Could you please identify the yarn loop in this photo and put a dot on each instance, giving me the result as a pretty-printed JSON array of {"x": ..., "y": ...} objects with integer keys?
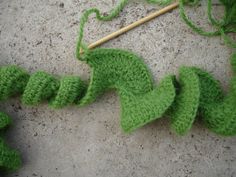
[{"x": 223, "y": 27}]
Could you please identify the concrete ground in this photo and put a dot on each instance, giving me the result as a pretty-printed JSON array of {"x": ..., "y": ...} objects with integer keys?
[{"x": 88, "y": 142}]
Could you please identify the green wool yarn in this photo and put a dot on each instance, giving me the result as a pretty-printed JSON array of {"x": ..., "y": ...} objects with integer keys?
[
  {"x": 195, "y": 93},
  {"x": 223, "y": 27},
  {"x": 9, "y": 159}
]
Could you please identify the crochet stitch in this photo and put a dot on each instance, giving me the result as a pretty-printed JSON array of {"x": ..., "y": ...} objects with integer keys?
[
  {"x": 141, "y": 102},
  {"x": 195, "y": 93},
  {"x": 9, "y": 159}
]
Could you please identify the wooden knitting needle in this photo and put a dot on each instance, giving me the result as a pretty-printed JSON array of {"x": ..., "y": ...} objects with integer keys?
[{"x": 133, "y": 25}]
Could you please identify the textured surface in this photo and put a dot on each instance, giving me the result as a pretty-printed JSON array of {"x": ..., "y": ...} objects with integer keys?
[
  {"x": 9, "y": 158},
  {"x": 88, "y": 141}
]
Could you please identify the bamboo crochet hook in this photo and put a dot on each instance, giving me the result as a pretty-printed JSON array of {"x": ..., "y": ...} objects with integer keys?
[{"x": 133, "y": 25}]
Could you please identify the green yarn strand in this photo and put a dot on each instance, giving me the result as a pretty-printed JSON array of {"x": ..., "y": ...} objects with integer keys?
[
  {"x": 226, "y": 25},
  {"x": 85, "y": 17},
  {"x": 160, "y": 2},
  {"x": 228, "y": 40},
  {"x": 112, "y": 14},
  {"x": 191, "y": 24},
  {"x": 210, "y": 17}
]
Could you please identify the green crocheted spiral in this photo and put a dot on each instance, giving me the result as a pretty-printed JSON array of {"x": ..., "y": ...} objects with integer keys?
[
  {"x": 194, "y": 93},
  {"x": 9, "y": 159}
]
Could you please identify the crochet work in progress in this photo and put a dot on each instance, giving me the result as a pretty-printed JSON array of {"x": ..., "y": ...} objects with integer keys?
[
  {"x": 195, "y": 93},
  {"x": 9, "y": 159}
]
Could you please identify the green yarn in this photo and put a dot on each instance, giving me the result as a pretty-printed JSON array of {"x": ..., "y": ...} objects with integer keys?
[
  {"x": 195, "y": 93},
  {"x": 161, "y": 2},
  {"x": 186, "y": 103},
  {"x": 138, "y": 110},
  {"x": 112, "y": 14},
  {"x": 12, "y": 81},
  {"x": 223, "y": 26},
  {"x": 70, "y": 90},
  {"x": 41, "y": 86},
  {"x": 115, "y": 69},
  {"x": 4, "y": 120},
  {"x": 84, "y": 19},
  {"x": 9, "y": 159}
]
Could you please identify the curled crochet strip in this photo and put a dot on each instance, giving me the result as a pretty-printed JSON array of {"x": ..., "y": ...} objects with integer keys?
[
  {"x": 195, "y": 92},
  {"x": 9, "y": 159}
]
